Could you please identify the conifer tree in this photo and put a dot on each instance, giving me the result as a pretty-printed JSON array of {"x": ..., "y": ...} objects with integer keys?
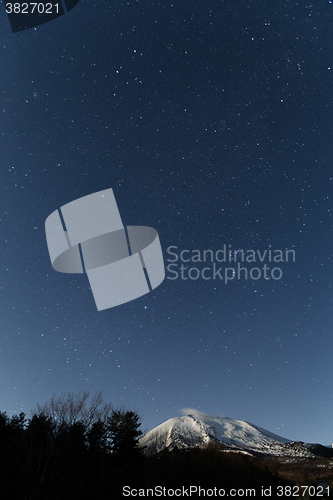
[{"x": 124, "y": 432}]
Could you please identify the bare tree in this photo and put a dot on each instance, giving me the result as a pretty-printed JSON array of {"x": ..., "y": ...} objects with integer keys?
[{"x": 71, "y": 408}]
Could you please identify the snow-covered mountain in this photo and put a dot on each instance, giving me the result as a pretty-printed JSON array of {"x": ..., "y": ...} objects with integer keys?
[{"x": 195, "y": 430}]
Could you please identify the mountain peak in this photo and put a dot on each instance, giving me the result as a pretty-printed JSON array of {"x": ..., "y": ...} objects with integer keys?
[{"x": 195, "y": 430}]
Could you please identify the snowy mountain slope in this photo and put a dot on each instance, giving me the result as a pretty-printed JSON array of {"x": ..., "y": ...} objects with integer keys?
[{"x": 196, "y": 430}]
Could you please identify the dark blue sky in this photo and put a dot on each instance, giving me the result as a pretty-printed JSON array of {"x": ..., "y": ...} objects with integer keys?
[{"x": 212, "y": 121}]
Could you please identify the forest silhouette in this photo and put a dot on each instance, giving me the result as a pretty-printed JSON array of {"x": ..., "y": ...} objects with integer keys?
[{"x": 79, "y": 448}]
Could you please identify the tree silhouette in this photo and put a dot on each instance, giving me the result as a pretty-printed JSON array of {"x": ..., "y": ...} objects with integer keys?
[
  {"x": 39, "y": 451},
  {"x": 71, "y": 447},
  {"x": 124, "y": 433},
  {"x": 71, "y": 408}
]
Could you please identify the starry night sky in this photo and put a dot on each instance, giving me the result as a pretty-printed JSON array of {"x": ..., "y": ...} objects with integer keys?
[{"x": 212, "y": 122}]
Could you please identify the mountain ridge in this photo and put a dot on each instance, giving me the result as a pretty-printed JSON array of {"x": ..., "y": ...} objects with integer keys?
[{"x": 196, "y": 430}]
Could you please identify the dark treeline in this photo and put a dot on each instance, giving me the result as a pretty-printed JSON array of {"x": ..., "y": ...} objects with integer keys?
[{"x": 71, "y": 450}]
